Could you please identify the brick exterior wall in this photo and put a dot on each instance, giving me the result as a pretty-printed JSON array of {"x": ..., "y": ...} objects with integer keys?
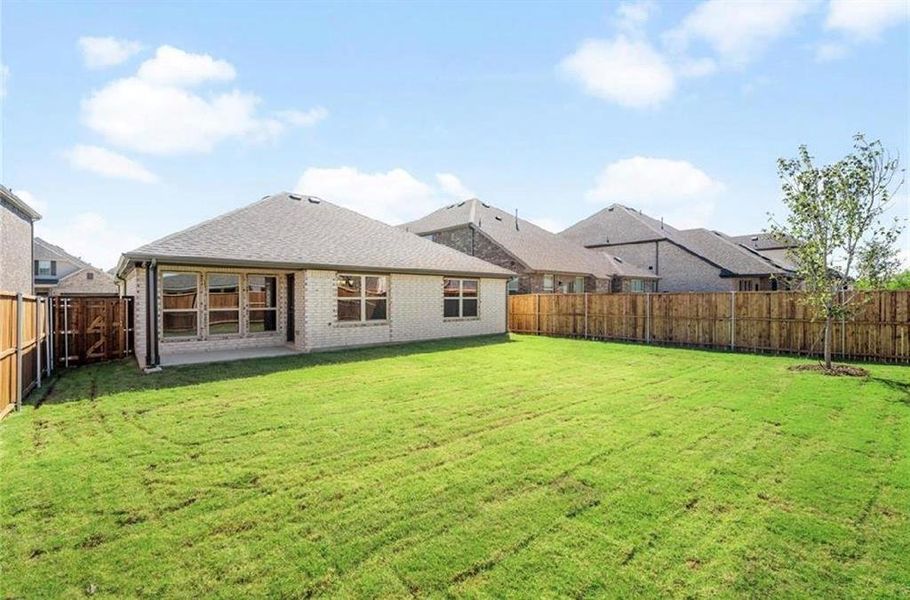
[
  {"x": 415, "y": 309},
  {"x": 15, "y": 251},
  {"x": 679, "y": 271},
  {"x": 78, "y": 283}
]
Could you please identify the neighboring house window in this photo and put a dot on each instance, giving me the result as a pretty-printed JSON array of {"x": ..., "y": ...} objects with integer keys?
[
  {"x": 89, "y": 275},
  {"x": 362, "y": 297},
  {"x": 459, "y": 298},
  {"x": 513, "y": 285},
  {"x": 224, "y": 304},
  {"x": 748, "y": 285},
  {"x": 262, "y": 298},
  {"x": 637, "y": 285},
  {"x": 180, "y": 304},
  {"x": 548, "y": 283},
  {"x": 579, "y": 285},
  {"x": 45, "y": 268}
]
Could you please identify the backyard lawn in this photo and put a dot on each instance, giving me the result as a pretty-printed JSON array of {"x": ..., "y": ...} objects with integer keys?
[{"x": 522, "y": 466}]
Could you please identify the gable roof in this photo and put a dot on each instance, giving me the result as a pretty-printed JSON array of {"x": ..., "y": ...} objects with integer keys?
[
  {"x": 618, "y": 224},
  {"x": 295, "y": 231},
  {"x": 8, "y": 197},
  {"x": 533, "y": 246},
  {"x": 764, "y": 241},
  {"x": 47, "y": 247}
]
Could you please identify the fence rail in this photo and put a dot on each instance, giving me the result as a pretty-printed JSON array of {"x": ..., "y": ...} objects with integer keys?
[
  {"x": 777, "y": 322},
  {"x": 24, "y": 347}
]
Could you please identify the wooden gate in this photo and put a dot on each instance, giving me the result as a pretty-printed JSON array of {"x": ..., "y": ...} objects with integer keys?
[{"x": 92, "y": 328}]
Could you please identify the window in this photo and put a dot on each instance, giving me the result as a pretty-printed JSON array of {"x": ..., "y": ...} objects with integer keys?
[
  {"x": 459, "y": 298},
  {"x": 513, "y": 286},
  {"x": 362, "y": 297},
  {"x": 45, "y": 268},
  {"x": 224, "y": 303},
  {"x": 747, "y": 285},
  {"x": 548, "y": 283},
  {"x": 262, "y": 297},
  {"x": 637, "y": 285},
  {"x": 579, "y": 285},
  {"x": 179, "y": 304},
  {"x": 89, "y": 275}
]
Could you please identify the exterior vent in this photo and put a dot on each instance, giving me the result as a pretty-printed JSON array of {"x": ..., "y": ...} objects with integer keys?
[
  {"x": 619, "y": 260},
  {"x": 498, "y": 218},
  {"x": 314, "y": 200},
  {"x": 297, "y": 197},
  {"x": 485, "y": 205}
]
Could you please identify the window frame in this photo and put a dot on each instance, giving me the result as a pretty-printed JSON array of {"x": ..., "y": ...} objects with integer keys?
[
  {"x": 581, "y": 279},
  {"x": 197, "y": 310},
  {"x": 552, "y": 286},
  {"x": 209, "y": 310},
  {"x": 50, "y": 268},
  {"x": 461, "y": 298},
  {"x": 362, "y": 299},
  {"x": 250, "y": 308},
  {"x": 639, "y": 283}
]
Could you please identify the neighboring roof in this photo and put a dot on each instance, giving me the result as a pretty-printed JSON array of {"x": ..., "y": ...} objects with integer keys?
[
  {"x": 536, "y": 248},
  {"x": 295, "y": 231},
  {"x": 7, "y": 195},
  {"x": 765, "y": 241},
  {"x": 730, "y": 256},
  {"x": 46, "y": 246},
  {"x": 618, "y": 224}
]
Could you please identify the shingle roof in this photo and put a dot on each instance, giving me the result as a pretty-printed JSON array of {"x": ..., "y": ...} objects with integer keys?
[
  {"x": 537, "y": 248},
  {"x": 41, "y": 244},
  {"x": 7, "y": 195},
  {"x": 618, "y": 224},
  {"x": 294, "y": 231},
  {"x": 764, "y": 241}
]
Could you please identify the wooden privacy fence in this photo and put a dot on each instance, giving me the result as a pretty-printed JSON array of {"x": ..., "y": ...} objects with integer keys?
[
  {"x": 879, "y": 330},
  {"x": 91, "y": 328},
  {"x": 24, "y": 347}
]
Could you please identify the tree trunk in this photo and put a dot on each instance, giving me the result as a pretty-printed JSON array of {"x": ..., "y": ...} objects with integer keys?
[{"x": 828, "y": 322}]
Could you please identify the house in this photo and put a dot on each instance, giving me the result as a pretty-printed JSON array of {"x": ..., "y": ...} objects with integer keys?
[
  {"x": 687, "y": 260},
  {"x": 17, "y": 229},
  {"x": 298, "y": 273},
  {"x": 59, "y": 273},
  {"x": 544, "y": 262}
]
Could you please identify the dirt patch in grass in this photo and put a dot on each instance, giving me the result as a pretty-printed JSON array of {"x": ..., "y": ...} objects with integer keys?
[{"x": 835, "y": 370}]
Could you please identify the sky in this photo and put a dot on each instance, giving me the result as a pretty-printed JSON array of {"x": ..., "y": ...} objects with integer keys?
[{"x": 124, "y": 122}]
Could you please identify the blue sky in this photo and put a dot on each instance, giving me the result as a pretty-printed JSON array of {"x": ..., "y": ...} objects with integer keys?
[{"x": 125, "y": 122}]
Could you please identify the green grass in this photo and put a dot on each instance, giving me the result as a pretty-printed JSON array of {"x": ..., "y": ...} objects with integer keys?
[{"x": 532, "y": 467}]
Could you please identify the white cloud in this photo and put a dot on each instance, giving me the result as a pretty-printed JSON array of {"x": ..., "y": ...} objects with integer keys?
[
  {"x": 738, "y": 31},
  {"x": 4, "y": 77},
  {"x": 33, "y": 201},
  {"x": 109, "y": 164},
  {"x": 173, "y": 66},
  {"x": 394, "y": 196},
  {"x": 865, "y": 20},
  {"x": 101, "y": 52},
  {"x": 829, "y": 51},
  {"x": 628, "y": 72},
  {"x": 303, "y": 118},
  {"x": 89, "y": 236},
  {"x": 453, "y": 186},
  {"x": 674, "y": 189},
  {"x": 154, "y": 112},
  {"x": 631, "y": 17}
]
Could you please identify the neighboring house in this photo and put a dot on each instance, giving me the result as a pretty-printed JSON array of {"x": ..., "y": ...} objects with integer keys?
[
  {"x": 17, "y": 229},
  {"x": 772, "y": 247},
  {"x": 58, "y": 273},
  {"x": 544, "y": 262},
  {"x": 689, "y": 260},
  {"x": 293, "y": 271}
]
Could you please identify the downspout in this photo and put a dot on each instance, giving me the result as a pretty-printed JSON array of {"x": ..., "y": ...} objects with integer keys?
[{"x": 151, "y": 316}]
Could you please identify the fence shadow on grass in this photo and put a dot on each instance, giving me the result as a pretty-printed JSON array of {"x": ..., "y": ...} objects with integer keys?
[
  {"x": 898, "y": 386},
  {"x": 101, "y": 379}
]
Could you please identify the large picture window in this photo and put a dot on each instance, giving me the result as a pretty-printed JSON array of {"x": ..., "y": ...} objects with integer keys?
[
  {"x": 262, "y": 294},
  {"x": 459, "y": 298},
  {"x": 224, "y": 304},
  {"x": 362, "y": 297},
  {"x": 180, "y": 304}
]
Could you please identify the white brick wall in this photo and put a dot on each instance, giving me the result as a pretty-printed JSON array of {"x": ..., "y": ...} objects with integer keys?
[{"x": 415, "y": 309}]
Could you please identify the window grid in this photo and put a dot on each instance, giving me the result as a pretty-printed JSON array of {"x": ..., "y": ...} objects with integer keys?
[
  {"x": 180, "y": 311},
  {"x": 368, "y": 295},
  {"x": 460, "y": 298}
]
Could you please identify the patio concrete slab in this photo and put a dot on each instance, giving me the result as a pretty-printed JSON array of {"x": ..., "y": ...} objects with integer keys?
[{"x": 191, "y": 358}]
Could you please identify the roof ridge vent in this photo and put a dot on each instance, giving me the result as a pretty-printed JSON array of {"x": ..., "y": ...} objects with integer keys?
[
  {"x": 297, "y": 197},
  {"x": 313, "y": 199}
]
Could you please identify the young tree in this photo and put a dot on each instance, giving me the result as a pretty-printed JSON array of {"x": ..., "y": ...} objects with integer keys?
[{"x": 837, "y": 213}]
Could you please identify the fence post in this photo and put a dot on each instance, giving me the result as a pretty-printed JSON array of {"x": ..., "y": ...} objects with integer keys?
[
  {"x": 19, "y": 334},
  {"x": 733, "y": 320},
  {"x": 38, "y": 341},
  {"x": 586, "y": 315},
  {"x": 49, "y": 340},
  {"x": 648, "y": 317},
  {"x": 66, "y": 333},
  {"x": 537, "y": 314}
]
